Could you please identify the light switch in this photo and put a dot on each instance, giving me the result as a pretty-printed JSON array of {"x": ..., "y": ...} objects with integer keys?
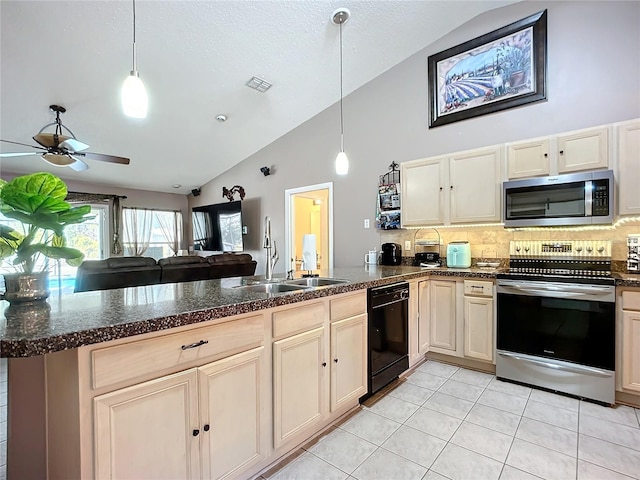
[
  {"x": 407, "y": 244},
  {"x": 366, "y": 223}
]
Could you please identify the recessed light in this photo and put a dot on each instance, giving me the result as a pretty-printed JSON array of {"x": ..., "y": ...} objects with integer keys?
[
  {"x": 221, "y": 118},
  {"x": 259, "y": 84},
  {"x": 176, "y": 185}
]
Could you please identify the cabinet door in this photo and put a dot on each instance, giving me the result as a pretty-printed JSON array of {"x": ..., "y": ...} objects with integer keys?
[
  {"x": 422, "y": 184},
  {"x": 231, "y": 415},
  {"x": 423, "y": 317},
  {"x": 147, "y": 431},
  {"x": 348, "y": 360},
  {"x": 583, "y": 150},
  {"x": 475, "y": 186},
  {"x": 443, "y": 315},
  {"x": 631, "y": 350},
  {"x": 628, "y": 174},
  {"x": 299, "y": 387},
  {"x": 528, "y": 159},
  {"x": 478, "y": 328}
]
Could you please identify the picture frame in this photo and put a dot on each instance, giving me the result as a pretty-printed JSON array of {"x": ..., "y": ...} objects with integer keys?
[{"x": 502, "y": 69}]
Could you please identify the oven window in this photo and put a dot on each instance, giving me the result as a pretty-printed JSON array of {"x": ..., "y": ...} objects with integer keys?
[
  {"x": 572, "y": 330},
  {"x": 548, "y": 201}
]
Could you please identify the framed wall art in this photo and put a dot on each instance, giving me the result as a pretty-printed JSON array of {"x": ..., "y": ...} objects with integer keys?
[{"x": 502, "y": 69}]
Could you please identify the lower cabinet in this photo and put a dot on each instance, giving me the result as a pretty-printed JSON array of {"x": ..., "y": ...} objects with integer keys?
[
  {"x": 443, "y": 319},
  {"x": 299, "y": 384},
  {"x": 629, "y": 327},
  {"x": 478, "y": 328},
  {"x": 423, "y": 317},
  {"x": 348, "y": 360},
  {"x": 200, "y": 423}
]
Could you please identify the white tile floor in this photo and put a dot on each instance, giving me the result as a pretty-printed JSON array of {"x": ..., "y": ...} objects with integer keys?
[{"x": 448, "y": 422}]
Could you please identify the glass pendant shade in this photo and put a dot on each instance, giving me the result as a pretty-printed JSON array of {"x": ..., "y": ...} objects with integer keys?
[
  {"x": 134, "y": 97},
  {"x": 342, "y": 164}
]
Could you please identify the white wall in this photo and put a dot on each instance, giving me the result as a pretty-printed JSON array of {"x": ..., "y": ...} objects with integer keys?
[{"x": 592, "y": 79}]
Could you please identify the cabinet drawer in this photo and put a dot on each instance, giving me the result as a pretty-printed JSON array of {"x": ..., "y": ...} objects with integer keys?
[
  {"x": 476, "y": 287},
  {"x": 348, "y": 306},
  {"x": 142, "y": 358},
  {"x": 298, "y": 319},
  {"x": 631, "y": 300}
]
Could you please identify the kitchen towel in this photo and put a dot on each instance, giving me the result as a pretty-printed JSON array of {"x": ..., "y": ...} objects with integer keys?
[{"x": 309, "y": 252}]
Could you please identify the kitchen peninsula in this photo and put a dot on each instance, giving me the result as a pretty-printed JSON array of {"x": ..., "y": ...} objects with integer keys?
[{"x": 204, "y": 374}]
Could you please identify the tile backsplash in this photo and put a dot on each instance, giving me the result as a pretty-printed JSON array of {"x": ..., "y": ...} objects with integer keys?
[{"x": 493, "y": 241}]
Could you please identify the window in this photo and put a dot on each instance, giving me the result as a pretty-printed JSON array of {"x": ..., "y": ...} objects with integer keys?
[{"x": 151, "y": 233}]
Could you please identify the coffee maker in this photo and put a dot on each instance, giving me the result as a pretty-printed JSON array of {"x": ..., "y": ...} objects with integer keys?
[{"x": 391, "y": 254}]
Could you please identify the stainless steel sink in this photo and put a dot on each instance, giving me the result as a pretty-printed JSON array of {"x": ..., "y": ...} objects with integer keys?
[
  {"x": 316, "y": 281},
  {"x": 272, "y": 288}
]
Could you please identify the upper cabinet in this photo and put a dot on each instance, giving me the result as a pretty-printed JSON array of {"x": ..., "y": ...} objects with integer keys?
[
  {"x": 575, "y": 151},
  {"x": 463, "y": 187},
  {"x": 628, "y": 168}
]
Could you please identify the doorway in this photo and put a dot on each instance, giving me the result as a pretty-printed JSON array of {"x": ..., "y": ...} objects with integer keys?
[{"x": 309, "y": 210}]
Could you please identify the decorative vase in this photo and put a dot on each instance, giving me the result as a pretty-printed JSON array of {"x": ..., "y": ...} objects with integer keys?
[{"x": 26, "y": 287}]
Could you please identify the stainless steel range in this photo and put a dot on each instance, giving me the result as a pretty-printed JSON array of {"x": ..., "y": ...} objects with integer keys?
[{"x": 556, "y": 318}]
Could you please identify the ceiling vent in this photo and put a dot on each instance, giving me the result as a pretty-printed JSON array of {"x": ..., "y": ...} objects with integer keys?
[{"x": 258, "y": 84}]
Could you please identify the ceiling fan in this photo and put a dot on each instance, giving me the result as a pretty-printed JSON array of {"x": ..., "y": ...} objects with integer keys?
[{"x": 60, "y": 149}]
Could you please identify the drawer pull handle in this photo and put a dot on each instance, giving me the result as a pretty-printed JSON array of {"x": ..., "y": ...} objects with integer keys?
[
  {"x": 195, "y": 432},
  {"x": 195, "y": 345},
  {"x": 476, "y": 286}
]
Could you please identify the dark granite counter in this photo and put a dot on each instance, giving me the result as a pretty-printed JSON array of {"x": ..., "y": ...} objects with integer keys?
[
  {"x": 73, "y": 320},
  {"x": 627, "y": 279}
]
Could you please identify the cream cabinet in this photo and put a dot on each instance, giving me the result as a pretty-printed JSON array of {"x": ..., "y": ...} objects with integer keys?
[
  {"x": 423, "y": 317},
  {"x": 463, "y": 187},
  {"x": 568, "y": 152},
  {"x": 475, "y": 186},
  {"x": 528, "y": 159},
  {"x": 422, "y": 187},
  {"x": 628, "y": 167},
  {"x": 299, "y": 384},
  {"x": 444, "y": 329},
  {"x": 148, "y": 431},
  {"x": 204, "y": 422},
  {"x": 583, "y": 150},
  {"x": 348, "y": 360},
  {"x": 629, "y": 340},
  {"x": 479, "y": 320}
]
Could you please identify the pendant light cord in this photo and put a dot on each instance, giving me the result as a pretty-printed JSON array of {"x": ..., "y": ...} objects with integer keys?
[
  {"x": 134, "y": 35},
  {"x": 341, "y": 118}
]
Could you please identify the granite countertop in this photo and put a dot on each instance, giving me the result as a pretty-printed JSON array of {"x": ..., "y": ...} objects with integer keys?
[{"x": 78, "y": 319}]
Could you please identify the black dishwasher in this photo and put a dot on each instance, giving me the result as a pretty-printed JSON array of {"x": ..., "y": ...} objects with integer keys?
[{"x": 388, "y": 334}]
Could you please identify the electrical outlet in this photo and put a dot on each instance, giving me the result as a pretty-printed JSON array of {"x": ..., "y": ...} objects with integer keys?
[
  {"x": 366, "y": 223},
  {"x": 407, "y": 244}
]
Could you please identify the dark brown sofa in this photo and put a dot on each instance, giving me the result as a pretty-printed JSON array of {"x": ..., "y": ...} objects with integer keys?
[{"x": 119, "y": 272}]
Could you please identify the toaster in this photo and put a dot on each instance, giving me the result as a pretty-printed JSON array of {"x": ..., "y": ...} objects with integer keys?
[{"x": 459, "y": 255}]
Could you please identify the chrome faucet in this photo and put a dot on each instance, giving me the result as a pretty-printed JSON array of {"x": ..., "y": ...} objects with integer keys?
[{"x": 272, "y": 257}]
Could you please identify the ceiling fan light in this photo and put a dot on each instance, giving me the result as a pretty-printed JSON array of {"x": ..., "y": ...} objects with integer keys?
[
  {"x": 134, "y": 97},
  {"x": 342, "y": 164},
  {"x": 57, "y": 160}
]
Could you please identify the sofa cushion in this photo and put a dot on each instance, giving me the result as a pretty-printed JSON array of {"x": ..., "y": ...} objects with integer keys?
[
  {"x": 183, "y": 260},
  {"x": 128, "y": 262}
]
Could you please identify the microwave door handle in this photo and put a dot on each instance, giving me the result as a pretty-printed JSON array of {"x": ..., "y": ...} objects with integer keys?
[{"x": 588, "y": 198}]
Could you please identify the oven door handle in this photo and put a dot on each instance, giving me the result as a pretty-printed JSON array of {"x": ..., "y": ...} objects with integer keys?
[
  {"x": 565, "y": 368},
  {"x": 560, "y": 292}
]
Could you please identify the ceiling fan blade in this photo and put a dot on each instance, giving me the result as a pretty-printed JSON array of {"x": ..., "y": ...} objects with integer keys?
[
  {"x": 78, "y": 165},
  {"x": 49, "y": 139},
  {"x": 73, "y": 145},
  {"x": 23, "y": 144},
  {"x": 104, "y": 158},
  {"x": 22, "y": 154}
]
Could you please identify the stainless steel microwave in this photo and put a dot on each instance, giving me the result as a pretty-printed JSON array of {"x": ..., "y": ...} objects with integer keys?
[{"x": 572, "y": 199}]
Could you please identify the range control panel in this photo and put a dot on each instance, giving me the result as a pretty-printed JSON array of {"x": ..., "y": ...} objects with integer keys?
[{"x": 593, "y": 249}]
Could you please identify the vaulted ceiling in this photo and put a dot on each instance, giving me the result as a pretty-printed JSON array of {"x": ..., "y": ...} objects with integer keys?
[{"x": 195, "y": 58}]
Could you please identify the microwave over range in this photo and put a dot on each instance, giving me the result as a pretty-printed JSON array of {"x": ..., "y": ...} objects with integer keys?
[{"x": 572, "y": 199}]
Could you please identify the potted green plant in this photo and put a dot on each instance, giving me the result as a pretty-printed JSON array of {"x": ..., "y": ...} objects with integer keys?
[{"x": 36, "y": 200}]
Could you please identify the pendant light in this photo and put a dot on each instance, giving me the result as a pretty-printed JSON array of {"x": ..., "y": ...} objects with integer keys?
[
  {"x": 133, "y": 94},
  {"x": 339, "y": 17}
]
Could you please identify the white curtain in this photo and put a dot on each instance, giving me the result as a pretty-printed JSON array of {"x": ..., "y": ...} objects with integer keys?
[
  {"x": 137, "y": 229},
  {"x": 171, "y": 228}
]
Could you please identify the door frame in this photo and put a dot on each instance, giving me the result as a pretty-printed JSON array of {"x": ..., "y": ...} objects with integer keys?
[{"x": 289, "y": 219}]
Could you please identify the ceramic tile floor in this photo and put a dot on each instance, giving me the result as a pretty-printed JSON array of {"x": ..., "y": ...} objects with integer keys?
[{"x": 445, "y": 422}]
